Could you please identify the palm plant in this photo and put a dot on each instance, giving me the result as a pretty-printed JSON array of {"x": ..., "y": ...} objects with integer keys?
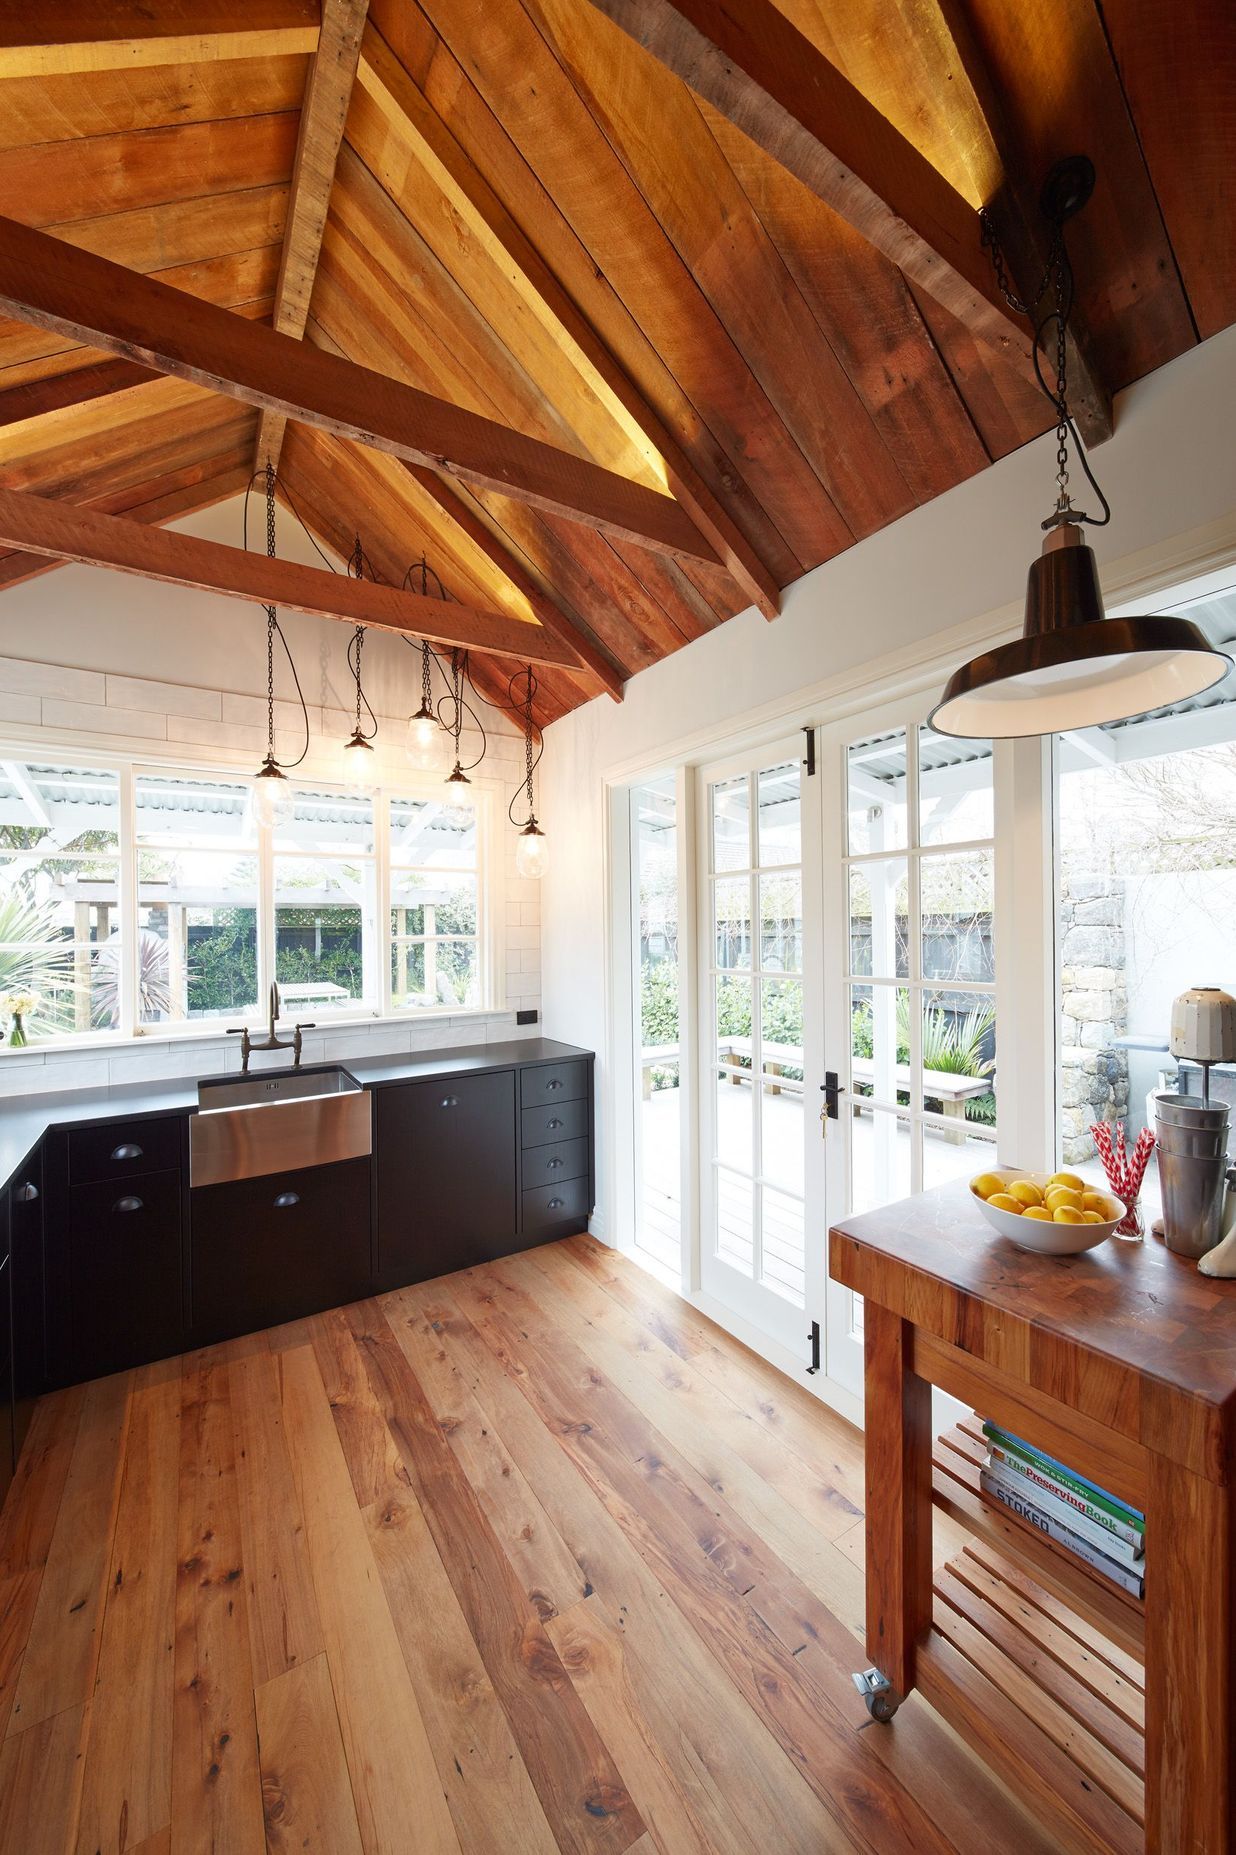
[
  {"x": 33, "y": 953},
  {"x": 154, "y": 993}
]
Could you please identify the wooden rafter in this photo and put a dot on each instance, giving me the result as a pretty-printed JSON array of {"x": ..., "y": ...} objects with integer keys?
[
  {"x": 78, "y": 294},
  {"x": 410, "y": 116},
  {"x": 62, "y": 392},
  {"x": 66, "y": 532},
  {"x": 322, "y": 118},
  {"x": 754, "y": 66},
  {"x": 81, "y": 35}
]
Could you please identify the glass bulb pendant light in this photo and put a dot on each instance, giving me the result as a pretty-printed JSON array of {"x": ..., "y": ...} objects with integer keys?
[
  {"x": 531, "y": 846},
  {"x": 1072, "y": 667},
  {"x": 359, "y": 759},
  {"x": 424, "y": 729},
  {"x": 457, "y": 776},
  {"x": 271, "y": 792}
]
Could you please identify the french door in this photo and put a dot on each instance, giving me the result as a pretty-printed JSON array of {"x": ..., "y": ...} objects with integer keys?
[
  {"x": 760, "y": 1027},
  {"x": 908, "y": 973}
]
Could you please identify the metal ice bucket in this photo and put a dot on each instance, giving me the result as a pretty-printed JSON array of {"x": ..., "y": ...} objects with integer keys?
[{"x": 1192, "y": 1145}]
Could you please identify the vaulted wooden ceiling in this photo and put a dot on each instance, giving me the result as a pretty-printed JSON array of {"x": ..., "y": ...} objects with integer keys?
[{"x": 516, "y": 207}]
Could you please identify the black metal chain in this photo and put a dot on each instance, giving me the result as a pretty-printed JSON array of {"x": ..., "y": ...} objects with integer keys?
[
  {"x": 271, "y": 619},
  {"x": 426, "y": 678},
  {"x": 358, "y": 642},
  {"x": 528, "y": 760}
]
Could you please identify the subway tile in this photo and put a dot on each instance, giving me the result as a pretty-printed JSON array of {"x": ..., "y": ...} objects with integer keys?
[
  {"x": 68, "y": 1070},
  {"x": 197, "y": 733},
  {"x": 132, "y": 692},
  {"x": 523, "y": 986},
  {"x": 130, "y": 723},
  {"x": 519, "y": 939},
  {"x": 250, "y": 712},
  {"x": 50, "y": 679},
  {"x": 19, "y": 708}
]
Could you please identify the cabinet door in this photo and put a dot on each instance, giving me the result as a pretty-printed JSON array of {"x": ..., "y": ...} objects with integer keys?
[
  {"x": 29, "y": 1310},
  {"x": 276, "y": 1248},
  {"x": 8, "y": 1444},
  {"x": 446, "y": 1175},
  {"x": 124, "y": 1273}
]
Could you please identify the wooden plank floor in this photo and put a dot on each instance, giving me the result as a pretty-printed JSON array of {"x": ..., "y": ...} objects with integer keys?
[{"x": 531, "y": 1558}]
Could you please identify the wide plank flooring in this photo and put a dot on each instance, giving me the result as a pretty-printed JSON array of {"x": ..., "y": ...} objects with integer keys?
[{"x": 530, "y": 1558}]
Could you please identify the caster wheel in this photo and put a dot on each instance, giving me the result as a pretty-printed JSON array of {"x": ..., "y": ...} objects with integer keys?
[
  {"x": 881, "y": 1707},
  {"x": 877, "y": 1693}
]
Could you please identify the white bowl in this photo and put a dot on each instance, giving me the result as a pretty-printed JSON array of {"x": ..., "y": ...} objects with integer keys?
[{"x": 1034, "y": 1233}]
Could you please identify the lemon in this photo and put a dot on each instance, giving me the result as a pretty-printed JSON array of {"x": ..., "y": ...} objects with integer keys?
[
  {"x": 1000, "y": 1201},
  {"x": 1039, "y": 1213},
  {"x": 1097, "y": 1201},
  {"x": 1068, "y": 1214},
  {"x": 1028, "y": 1192},
  {"x": 1093, "y": 1217},
  {"x": 1067, "y": 1178},
  {"x": 986, "y": 1184},
  {"x": 1062, "y": 1194}
]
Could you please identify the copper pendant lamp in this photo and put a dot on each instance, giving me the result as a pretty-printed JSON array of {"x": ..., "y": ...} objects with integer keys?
[{"x": 1072, "y": 667}]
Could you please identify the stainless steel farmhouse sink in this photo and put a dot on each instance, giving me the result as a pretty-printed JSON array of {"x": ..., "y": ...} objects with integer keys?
[{"x": 287, "y": 1119}]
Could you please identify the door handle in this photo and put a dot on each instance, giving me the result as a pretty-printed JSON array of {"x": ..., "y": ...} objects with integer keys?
[
  {"x": 127, "y": 1204},
  {"x": 286, "y": 1200},
  {"x": 832, "y": 1089},
  {"x": 128, "y": 1151},
  {"x": 27, "y": 1193}
]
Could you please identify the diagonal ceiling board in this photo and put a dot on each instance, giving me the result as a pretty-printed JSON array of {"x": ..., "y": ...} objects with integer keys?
[
  {"x": 406, "y": 111},
  {"x": 535, "y": 145},
  {"x": 765, "y": 77},
  {"x": 81, "y": 35},
  {"x": 83, "y": 104},
  {"x": 70, "y": 532},
  {"x": 323, "y": 115},
  {"x": 99, "y": 303},
  {"x": 67, "y": 391}
]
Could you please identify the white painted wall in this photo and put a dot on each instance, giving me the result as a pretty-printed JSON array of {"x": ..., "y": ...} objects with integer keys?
[
  {"x": 110, "y": 662},
  {"x": 957, "y": 566}
]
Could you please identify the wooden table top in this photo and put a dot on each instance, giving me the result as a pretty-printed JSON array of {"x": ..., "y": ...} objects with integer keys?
[{"x": 1129, "y": 1332}]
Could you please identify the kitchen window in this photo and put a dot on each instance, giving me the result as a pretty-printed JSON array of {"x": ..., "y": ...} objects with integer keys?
[{"x": 139, "y": 900}]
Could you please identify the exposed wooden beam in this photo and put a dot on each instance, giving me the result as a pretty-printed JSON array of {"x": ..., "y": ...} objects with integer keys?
[
  {"x": 125, "y": 35},
  {"x": 61, "y": 392},
  {"x": 88, "y": 298},
  {"x": 40, "y": 526},
  {"x": 458, "y": 510},
  {"x": 409, "y": 115},
  {"x": 322, "y": 117},
  {"x": 754, "y": 66}
]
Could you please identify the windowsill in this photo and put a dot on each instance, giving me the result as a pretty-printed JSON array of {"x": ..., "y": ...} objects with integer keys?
[{"x": 204, "y": 1033}]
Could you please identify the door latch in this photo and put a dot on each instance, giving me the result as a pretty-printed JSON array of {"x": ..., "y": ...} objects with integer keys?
[
  {"x": 814, "y": 1336},
  {"x": 832, "y": 1090}
]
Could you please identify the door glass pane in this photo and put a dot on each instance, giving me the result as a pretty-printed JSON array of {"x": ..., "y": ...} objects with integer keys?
[
  {"x": 876, "y": 779},
  {"x": 781, "y": 1134},
  {"x": 732, "y": 916},
  {"x": 880, "y": 1042},
  {"x": 779, "y": 827},
  {"x": 959, "y": 1056},
  {"x": 781, "y": 922},
  {"x": 731, "y": 824},
  {"x": 956, "y": 1152},
  {"x": 880, "y": 1168},
  {"x": 879, "y": 919},
  {"x": 735, "y": 1218},
  {"x": 782, "y": 1234},
  {"x": 957, "y": 899},
  {"x": 781, "y": 1027},
  {"x": 658, "y": 1194},
  {"x": 955, "y": 803}
]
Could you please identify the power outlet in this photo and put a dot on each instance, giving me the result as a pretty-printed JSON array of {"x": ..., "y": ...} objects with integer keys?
[{"x": 525, "y": 1017}]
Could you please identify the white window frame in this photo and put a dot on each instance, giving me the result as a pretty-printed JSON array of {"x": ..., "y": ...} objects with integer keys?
[{"x": 486, "y": 795}]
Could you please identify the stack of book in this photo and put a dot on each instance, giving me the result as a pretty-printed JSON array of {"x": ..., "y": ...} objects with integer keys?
[{"x": 1107, "y": 1534}]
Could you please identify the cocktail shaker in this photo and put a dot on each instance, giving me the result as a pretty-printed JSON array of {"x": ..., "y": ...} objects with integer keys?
[{"x": 1192, "y": 1138}]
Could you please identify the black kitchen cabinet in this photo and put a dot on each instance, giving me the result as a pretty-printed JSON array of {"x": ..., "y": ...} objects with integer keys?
[
  {"x": 8, "y": 1435},
  {"x": 26, "y": 1273},
  {"x": 447, "y": 1183},
  {"x": 275, "y": 1248},
  {"x": 124, "y": 1273}
]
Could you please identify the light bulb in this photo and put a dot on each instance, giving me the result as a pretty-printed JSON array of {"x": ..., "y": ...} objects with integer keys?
[
  {"x": 270, "y": 796},
  {"x": 424, "y": 739},
  {"x": 531, "y": 852},
  {"x": 358, "y": 761}
]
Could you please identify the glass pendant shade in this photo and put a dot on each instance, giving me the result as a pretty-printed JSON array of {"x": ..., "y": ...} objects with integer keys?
[
  {"x": 271, "y": 796},
  {"x": 1072, "y": 667},
  {"x": 457, "y": 777},
  {"x": 358, "y": 761},
  {"x": 425, "y": 738},
  {"x": 531, "y": 852}
]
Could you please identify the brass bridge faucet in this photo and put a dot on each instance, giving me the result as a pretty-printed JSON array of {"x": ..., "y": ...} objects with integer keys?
[{"x": 271, "y": 1041}]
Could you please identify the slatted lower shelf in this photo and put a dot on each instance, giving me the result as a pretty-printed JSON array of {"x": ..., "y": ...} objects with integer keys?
[{"x": 1041, "y": 1696}]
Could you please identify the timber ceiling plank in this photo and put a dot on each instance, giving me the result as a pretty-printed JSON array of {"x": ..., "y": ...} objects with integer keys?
[
  {"x": 101, "y": 103},
  {"x": 70, "y": 532},
  {"x": 77, "y": 294},
  {"x": 1007, "y": 409},
  {"x": 118, "y": 455},
  {"x": 58, "y": 392},
  {"x": 156, "y": 239},
  {"x": 1178, "y": 67},
  {"x": 525, "y": 88},
  {"x": 440, "y": 188},
  {"x": 655, "y": 127},
  {"x": 82, "y": 35},
  {"x": 323, "y": 115}
]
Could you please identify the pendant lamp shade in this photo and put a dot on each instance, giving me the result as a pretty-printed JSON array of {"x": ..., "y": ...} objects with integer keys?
[{"x": 1072, "y": 667}]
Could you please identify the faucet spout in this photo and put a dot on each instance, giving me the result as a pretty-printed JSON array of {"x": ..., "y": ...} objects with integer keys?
[{"x": 274, "y": 1005}]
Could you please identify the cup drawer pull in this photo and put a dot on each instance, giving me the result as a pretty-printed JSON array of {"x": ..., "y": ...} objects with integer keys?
[
  {"x": 556, "y": 1122},
  {"x": 27, "y": 1193},
  {"x": 127, "y": 1204},
  {"x": 552, "y": 1165},
  {"x": 555, "y": 1204},
  {"x": 127, "y": 1151},
  {"x": 286, "y": 1200},
  {"x": 449, "y": 1101},
  {"x": 553, "y": 1084}
]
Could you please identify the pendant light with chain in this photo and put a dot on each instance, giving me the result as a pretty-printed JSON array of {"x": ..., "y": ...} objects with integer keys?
[
  {"x": 531, "y": 848},
  {"x": 1072, "y": 667},
  {"x": 426, "y": 735},
  {"x": 359, "y": 758},
  {"x": 271, "y": 791}
]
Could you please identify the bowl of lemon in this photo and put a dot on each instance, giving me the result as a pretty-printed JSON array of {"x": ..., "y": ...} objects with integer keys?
[{"x": 1056, "y": 1213}]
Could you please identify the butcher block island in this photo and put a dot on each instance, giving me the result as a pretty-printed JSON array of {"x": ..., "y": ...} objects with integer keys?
[{"x": 1113, "y": 1713}]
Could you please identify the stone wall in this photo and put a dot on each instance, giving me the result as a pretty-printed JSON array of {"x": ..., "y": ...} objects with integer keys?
[{"x": 1093, "y": 1008}]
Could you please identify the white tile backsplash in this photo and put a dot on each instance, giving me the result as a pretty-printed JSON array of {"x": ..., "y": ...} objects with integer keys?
[
  {"x": 131, "y": 723},
  {"x": 131, "y": 692},
  {"x": 51, "y": 679}
]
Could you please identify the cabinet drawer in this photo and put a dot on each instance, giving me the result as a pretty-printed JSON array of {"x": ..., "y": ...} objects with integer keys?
[
  {"x": 122, "y": 1149},
  {"x": 552, "y": 1206},
  {"x": 553, "y": 1082},
  {"x": 566, "y": 1120},
  {"x": 556, "y": 1163}
]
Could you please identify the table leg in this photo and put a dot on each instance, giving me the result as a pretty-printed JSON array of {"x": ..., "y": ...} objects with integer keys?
[
  {"x": 955, "y": 1111},
  {"x": 898, "y": 1459},
  {"x": 1190, "y": 1663}
]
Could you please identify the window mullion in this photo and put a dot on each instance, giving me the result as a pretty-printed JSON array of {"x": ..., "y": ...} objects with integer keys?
[
  {"x": 265, "y": 910},
  {"x": 382, "y": 937},
  {"x": 129, "y": 926}
]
